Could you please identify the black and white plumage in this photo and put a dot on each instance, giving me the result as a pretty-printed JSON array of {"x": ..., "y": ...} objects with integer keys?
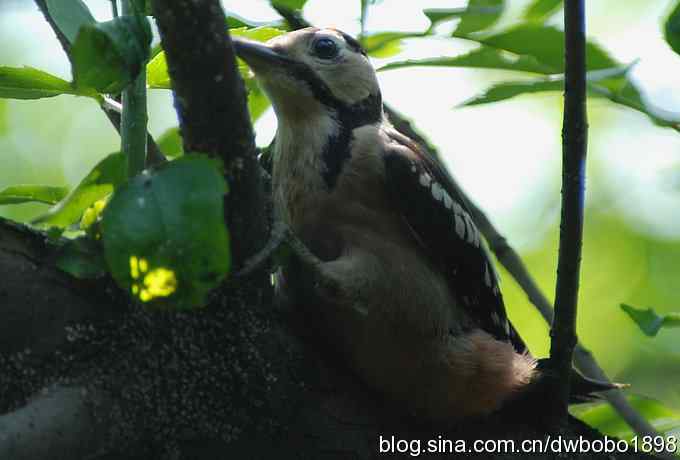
[{"x": 419, "y": 315}]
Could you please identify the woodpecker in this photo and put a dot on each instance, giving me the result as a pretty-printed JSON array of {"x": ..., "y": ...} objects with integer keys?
[{"x": 419, "y": 314}]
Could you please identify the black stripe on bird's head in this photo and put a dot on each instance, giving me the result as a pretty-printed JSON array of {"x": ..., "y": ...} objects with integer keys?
[{"x": 314, "y": 69}]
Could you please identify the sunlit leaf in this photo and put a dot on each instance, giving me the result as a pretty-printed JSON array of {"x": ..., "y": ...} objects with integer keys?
[
  {"x": 479, "y": 15},
  {"x": 257, "y": 101},
  {"x": 107, "y": 174},
  {"x": 385, "y": 44},
  {"x": 649, "y": 321},
  {"x": 672, "y": 29},
  {"x": 483, "y": 58},
  {"x": 82, "y": 258},
  {"x": 437, "y": 15},
  {"x": 32, "y": 193},
  {"x": 157, "y": 70},
  {"x": 170, "y": 143},
  {"x": 165, "y": 240},
  {"x": 69, "y": 16},
  {"x": 604, "y": 417},
  {"x": 546, "y": 45},
  {"x": 236, "y": 21},
  {"x": 30, "y": 83},
  {"x": 540, "y": 10},
  {"x": 107, "y": 56}
]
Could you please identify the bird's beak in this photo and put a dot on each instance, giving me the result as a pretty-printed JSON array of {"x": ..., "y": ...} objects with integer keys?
[{"x": 258, "y": 55}]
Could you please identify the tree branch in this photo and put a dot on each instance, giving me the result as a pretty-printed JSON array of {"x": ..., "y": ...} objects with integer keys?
[
  {"x": 38, "y": 299},
  {"x": 154, "y": 154},
  {"x": 210, "y": 98},
  {"x": 574, "y": 147},
  {"x": 134, "y": 118}
]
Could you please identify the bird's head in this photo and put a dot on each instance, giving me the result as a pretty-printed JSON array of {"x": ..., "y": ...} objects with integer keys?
[{"x": 314, "y": 69}]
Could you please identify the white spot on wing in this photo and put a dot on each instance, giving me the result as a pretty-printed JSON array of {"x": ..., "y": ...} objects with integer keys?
[
  {"x": 437, "y": 191},
  {"x": 487, "y": 275},
  {"x": 470, "y": 229},
  {"x": 460, "y": 226},
  {"x": 495, "y": 318},
  {"x": 425, "y": 180},
  {"x": 448, "y": 202}
]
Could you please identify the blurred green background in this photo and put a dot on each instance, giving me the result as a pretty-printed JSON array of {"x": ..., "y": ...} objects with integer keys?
[{"x": 506, "y": 155}]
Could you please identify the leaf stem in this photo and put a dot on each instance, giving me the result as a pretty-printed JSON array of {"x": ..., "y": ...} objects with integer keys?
[
  {"x": 134, "y": 118},
  {"x": 574, "y": 148}
]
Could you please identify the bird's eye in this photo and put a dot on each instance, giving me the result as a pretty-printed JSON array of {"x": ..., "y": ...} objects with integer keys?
[{"x": 325, "y": 48}]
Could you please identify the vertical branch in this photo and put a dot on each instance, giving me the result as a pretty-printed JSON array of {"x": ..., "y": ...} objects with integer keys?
[
  {"x": 210, "y": 99},
  {"x": 574, "y": 146},
  {"x": 134, "y": 117},
  {"x": 154, "y": 153}
]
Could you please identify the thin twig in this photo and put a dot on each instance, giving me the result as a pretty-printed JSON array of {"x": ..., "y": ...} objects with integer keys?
[
  {"x": 154, "y": 154},
  {"x": 133, "y": 134},
  {"x": 574, "y": 147}
]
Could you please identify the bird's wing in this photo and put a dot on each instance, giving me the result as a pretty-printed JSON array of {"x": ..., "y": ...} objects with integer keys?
[{"x": 439, "y": 219}]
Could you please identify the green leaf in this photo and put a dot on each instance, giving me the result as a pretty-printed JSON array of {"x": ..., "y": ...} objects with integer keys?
[
  {"x": 257, "y": 101},
  {"x": 164, "y": 235},
  {"x": 541, "y": 10},
  {"x": 482, "y": 58},
  {"x": 107, "y": 56},
  {"x": 649, "y": 321},
  {"x": 479, "y": 15},
  {"x": 157, "y": 70},
  {"x": 437, "y": 15},
  {"x": 289, "y": 4},
  {"x": 546, "y": 45},
  {"x": 235, "y": 21},
  {"x": 82, "y": 258},
  {"x": 70, "y": 16},
  {"x": 32, "y": 193},
  {"x": 604, "y": 418},
  {"x": 143, "y": 7},
  {"x": 170, "y": 143},
  {"x": 30, "y": 83},
  {"x": 108, "y": 173},
  {"x": 385, "y": 44},
  {"x": 528, "y": 48},
  {"x": 672, "y": 29},
  {"x": 507, "y": 90}
]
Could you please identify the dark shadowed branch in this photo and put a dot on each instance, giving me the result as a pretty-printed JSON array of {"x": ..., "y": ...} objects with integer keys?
[
  {"x": 574, "y": 147},
  {"x": 210, "y": 98}
]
